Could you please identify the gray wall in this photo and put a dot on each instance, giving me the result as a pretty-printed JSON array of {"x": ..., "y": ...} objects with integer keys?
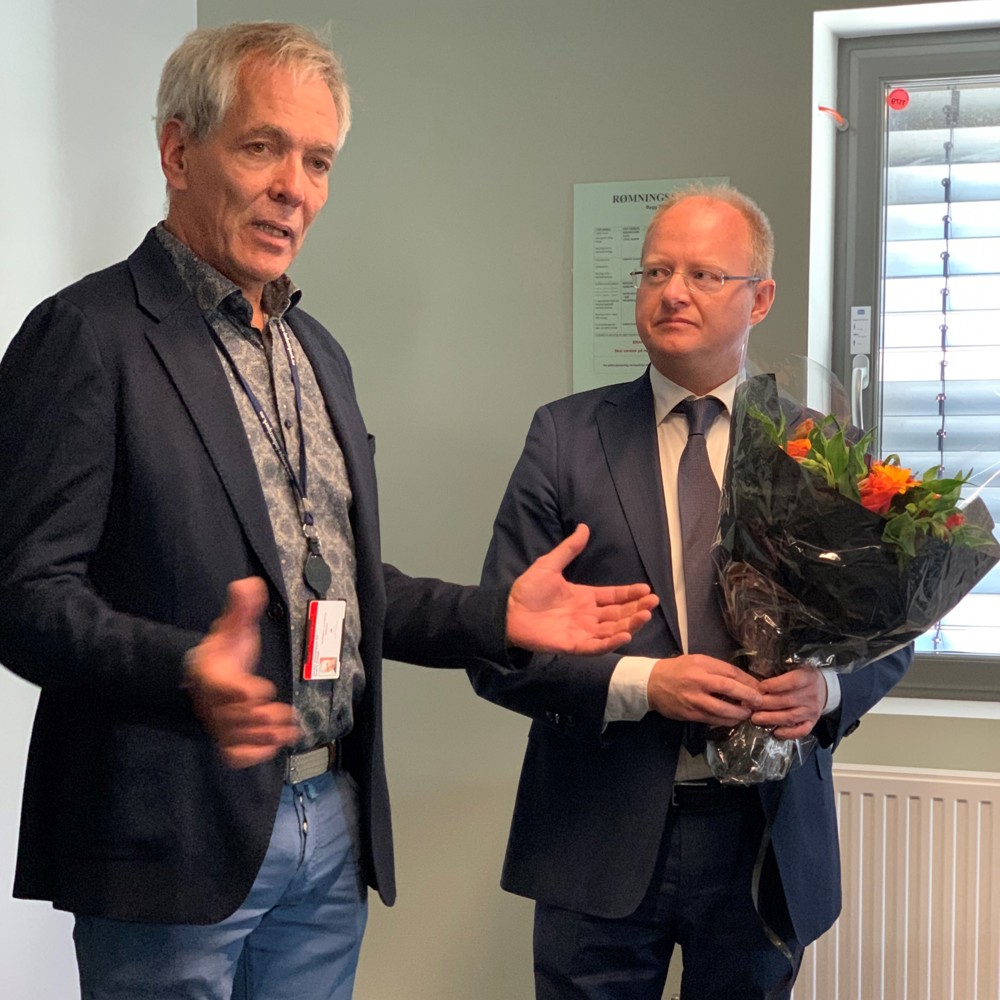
[{"x": 443, "y": 265}]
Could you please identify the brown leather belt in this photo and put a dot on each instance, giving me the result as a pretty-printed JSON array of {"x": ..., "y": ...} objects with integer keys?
[{"x": 311, "y": 764}]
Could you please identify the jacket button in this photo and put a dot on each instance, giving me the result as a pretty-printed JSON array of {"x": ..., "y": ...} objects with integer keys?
[{"x": 276, "y": 612}]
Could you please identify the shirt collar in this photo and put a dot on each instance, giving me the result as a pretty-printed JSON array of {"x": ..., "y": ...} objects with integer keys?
[
  {"x": 667, "y": 394},
  {"x": 214, "y": 292}
]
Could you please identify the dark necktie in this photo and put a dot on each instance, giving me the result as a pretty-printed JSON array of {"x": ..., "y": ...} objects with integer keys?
[{"x": 698, "y": 499}]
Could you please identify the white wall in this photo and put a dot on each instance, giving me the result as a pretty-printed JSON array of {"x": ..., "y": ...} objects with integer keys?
[{"x": 79, "y": 185}]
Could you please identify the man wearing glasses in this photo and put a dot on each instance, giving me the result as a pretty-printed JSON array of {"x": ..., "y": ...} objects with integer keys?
[{"x": 620, "y": 834}]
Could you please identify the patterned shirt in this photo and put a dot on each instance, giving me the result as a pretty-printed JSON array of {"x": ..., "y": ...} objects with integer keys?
[{"x": 325, "y": 708}]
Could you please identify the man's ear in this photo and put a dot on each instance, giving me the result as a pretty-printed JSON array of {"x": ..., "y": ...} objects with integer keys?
[
  {"x": 174, "y": 142},
  {"x": 763, "y": 299}
]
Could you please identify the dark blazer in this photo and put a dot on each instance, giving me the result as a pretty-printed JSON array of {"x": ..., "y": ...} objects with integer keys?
[
  {"x": 129, "y": 500},
  {"x": 591, "y": 805}
]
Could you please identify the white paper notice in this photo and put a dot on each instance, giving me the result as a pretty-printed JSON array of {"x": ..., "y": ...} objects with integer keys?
[{"x": 609, "y": 223}]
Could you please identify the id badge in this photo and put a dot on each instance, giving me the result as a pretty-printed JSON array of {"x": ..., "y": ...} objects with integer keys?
[{"x": 324, "y": 640}]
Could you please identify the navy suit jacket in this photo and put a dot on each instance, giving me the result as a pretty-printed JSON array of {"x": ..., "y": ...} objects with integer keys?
[
  {"x": 591, "y": 804},
  {"x": 129, "y": 501}
]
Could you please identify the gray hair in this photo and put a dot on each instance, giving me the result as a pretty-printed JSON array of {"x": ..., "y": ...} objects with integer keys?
[
  {"x": 761, "y": 233},
  {"x": 198, "y": 82}
]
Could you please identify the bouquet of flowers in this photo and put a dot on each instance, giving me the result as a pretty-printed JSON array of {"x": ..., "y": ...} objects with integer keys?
[{"x": 827, "y": 557}]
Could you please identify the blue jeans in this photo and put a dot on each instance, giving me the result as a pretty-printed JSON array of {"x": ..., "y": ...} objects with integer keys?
[{"x": 296, "y": 937}]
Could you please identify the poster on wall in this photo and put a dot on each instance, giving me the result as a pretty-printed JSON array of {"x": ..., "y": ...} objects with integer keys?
[{"x": 609, "y": 222}]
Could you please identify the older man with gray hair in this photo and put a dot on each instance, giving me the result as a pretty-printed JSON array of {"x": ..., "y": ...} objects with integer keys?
[{"x": 190, "y": 569}]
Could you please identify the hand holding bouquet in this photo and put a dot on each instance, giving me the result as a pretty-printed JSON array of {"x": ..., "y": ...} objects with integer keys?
[{"x": 827, "y": 558}]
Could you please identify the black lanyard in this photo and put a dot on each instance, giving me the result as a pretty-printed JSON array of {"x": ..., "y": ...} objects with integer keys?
[{"x": 316, "y": 572}]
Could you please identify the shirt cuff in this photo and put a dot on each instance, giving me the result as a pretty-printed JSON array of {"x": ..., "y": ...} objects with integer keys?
[
  {"x": 832, "y": 679},
  {"x": 627, "y": 700}
]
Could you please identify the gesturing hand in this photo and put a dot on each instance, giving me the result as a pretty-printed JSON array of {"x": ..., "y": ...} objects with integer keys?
[
  {"x": 547, "y": 613},
  {"x": 237, "y": 707}
]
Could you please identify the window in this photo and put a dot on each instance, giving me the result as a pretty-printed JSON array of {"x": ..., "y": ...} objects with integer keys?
[{"x": 918, "y": 241}]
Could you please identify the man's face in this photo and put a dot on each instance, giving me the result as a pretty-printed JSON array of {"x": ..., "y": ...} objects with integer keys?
[
  {"x": 243, "y": 198},
  {"x": 696, "y": 338}
]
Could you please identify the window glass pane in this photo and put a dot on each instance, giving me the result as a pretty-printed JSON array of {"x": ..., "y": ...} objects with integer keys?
[{"x": 939, "y": 359}]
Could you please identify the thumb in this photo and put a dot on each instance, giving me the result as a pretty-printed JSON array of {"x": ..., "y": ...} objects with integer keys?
[
  {"x": 567, "y": 550},
  {"x": 245, "y": 602}
]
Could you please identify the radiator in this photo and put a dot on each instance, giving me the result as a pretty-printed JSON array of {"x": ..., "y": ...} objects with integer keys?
[{"x": 921, "y": 872}]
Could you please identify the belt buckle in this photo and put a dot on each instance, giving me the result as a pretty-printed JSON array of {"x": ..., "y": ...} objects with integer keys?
[
  {"x": 303, "y": 766},
  {"x": 699, "y": 785}
]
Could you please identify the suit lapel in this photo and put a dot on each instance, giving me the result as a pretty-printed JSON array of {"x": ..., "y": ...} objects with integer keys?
[
  {"x": 352, "y": 436},
  {"x": 627, "y": 426},
  {"x": 180, "y": 336},
  {"x": 333, "y": 378}
]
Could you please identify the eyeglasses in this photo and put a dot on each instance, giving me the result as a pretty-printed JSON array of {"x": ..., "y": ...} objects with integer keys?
[{"x": 700, "y": 279}]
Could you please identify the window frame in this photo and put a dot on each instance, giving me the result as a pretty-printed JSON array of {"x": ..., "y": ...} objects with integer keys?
[{"x": 864, "y": 64}]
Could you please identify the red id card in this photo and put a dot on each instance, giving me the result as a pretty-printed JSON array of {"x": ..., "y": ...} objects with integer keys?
[{"x": 324, "y": 640}]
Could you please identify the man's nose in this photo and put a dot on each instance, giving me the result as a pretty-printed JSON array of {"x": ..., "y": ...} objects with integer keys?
[
  {"x": 675, "y": 287},
  {"x": 287, "y": 184}
]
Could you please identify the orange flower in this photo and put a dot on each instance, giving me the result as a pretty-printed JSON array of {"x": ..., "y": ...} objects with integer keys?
[
  {"x": 800, "y": 444},
  {"x": 882, "y": 483},
  {"x": 799, "y": 448}
]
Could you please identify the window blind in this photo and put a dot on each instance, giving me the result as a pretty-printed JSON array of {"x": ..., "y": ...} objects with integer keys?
[{"x": 939, "y": 402}]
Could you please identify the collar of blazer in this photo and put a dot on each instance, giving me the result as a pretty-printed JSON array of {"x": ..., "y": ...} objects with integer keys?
[
  {"x": 627, "y": 426},
  {"x": 178, "y": 334}
]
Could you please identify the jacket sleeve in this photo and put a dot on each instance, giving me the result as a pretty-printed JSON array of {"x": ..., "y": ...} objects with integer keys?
[
  {"x": 438, "y": 624},
  {"x": 568, "y": 692},
  {"x": 58, "y": 461},
  {"x": 861, "y": 690}
]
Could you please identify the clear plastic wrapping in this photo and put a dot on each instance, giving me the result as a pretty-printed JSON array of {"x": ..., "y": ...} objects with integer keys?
[{"x": 807, "y": 577}]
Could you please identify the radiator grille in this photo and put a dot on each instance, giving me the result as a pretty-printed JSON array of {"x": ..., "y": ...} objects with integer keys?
[{"x": 921, "y": 917}]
